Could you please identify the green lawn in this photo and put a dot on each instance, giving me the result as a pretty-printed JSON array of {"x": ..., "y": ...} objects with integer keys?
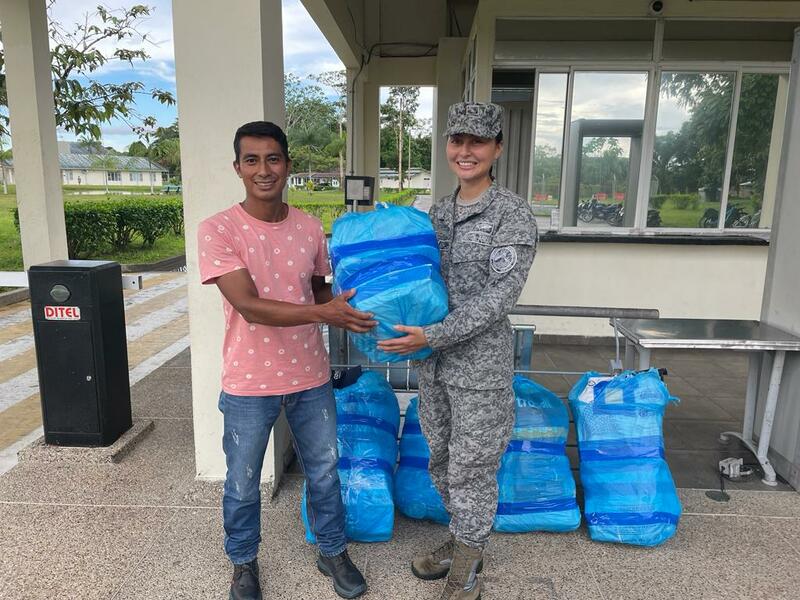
[
  {"x": 672, "y": 216},
  {"x": 297, "y": 195}
]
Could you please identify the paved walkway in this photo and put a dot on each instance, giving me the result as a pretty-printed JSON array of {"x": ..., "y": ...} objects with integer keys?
[
  {"x": 146, "y": 529},
  {"x": 157, "y": 330}
]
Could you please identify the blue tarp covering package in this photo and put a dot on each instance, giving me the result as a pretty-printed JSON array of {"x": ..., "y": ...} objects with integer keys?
[
  {"x": 629, "y": 492},
  {"x": 368, "y": 418},
  {"x": 536, "y": 487},
  {"x": 390, "y": 256},
  {"x": 414, "y": 493}
]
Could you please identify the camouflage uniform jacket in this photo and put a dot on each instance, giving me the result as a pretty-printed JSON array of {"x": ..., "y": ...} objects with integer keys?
[{"x": 486, "y": 256}]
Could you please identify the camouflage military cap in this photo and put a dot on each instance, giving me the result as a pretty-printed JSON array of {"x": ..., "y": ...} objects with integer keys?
[{"x": 481, "y": 119}]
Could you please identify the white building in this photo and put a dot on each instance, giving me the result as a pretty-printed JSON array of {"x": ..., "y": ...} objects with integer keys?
[
  {"x": 299, "y": 180},
  {"x": 414, "y": 179},
  {"x": 99, "y": 169}
]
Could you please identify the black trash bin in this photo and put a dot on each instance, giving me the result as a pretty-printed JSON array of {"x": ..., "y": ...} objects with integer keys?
[{"x": 81, "y": 351}]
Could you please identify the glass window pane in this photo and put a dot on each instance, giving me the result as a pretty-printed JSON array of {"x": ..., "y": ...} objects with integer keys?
[
  {"x": 546, "y": 180},
  {"x": 604, "y": 149},
  {"x": 755, "y": 161},
  {"x": 692, "y": 129}
]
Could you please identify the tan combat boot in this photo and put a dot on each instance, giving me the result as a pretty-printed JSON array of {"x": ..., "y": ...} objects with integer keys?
[
  {"x": 462, "y": 581},
  {"x": 436, "y": 564}
]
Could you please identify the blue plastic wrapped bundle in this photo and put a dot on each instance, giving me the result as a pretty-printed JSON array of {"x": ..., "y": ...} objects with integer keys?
[
  {"x": 536, "y": 487},
  {"x": 391, "y": 257},
  {"x": 629, "y": 492},
  {"x": 414, "y": 492},
  {"x": 367, "y": 421}
]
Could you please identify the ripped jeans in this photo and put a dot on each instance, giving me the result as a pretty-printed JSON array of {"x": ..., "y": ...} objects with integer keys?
[{"x": 248, "y": 422}]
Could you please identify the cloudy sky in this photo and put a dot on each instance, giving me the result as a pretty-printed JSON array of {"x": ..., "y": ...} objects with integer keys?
[{"x": 305, "y": 52}]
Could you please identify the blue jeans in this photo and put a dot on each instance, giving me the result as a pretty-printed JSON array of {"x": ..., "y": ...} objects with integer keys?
[{"x": 248, "y": 422}]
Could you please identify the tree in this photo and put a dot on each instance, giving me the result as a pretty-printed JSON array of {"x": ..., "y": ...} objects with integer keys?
[
  {"x": 311, "y": 126},
  {"x": 167, "y": 152},
  {"x": 547, "y": 170},
  {"x": 166, "y": 149},
  {"x": 398, "y": 116},
  {"x": 337, "y": 81},
  {"x": 137, "y": 149},
  {"x": 81, "y": 101},
  {"x": 5, "y": 154}
]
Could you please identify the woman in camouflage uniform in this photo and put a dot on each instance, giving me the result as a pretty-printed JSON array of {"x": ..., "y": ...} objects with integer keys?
[{"x": 487, "y": 237}]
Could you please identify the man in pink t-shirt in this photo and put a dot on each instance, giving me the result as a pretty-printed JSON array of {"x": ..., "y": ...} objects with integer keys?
[{"x": 270, "y": 260}]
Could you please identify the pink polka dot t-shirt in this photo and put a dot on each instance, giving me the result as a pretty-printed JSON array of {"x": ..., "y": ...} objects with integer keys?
[{"x": 262, "y": 360}]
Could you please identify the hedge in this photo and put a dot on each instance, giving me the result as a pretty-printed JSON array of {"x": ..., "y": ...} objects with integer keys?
[
  {"x": 321, "y": 209},
  {"x": 95, "y": 225}
]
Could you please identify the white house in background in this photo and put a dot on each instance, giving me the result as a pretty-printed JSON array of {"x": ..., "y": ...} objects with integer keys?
[
  {"x": 299, "y": 180},
  {"x": 415, "y": 178},
  {"x": 80, "y": 166}
]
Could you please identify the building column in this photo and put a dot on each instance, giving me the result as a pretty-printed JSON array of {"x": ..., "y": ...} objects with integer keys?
[
  {"x": 484, "y": 52},
  {"x": 33, "y": 131},
  {"x": 449, "y": 88},
  {"x": 229, "y": 67},
  {"x": 780, "y": 307},
  {"x": 355, "y": 116},
  {"x": 363, "y": 128}
]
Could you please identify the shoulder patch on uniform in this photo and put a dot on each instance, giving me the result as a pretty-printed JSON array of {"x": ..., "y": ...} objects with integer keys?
[{"x": 503, "y": 259}]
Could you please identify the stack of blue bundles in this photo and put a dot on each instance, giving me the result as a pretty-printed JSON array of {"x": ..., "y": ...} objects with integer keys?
[
  {"x": 536, "y": 487},
  {"x": 414, "y": 492},
  {"x": 367, "y": 422},
  {"x": 391, "y": 257},
  {"x": 630, "y": 495}
]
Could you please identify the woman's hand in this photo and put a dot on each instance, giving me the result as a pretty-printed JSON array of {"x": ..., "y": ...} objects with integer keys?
[{"x": 413, "y": 341}]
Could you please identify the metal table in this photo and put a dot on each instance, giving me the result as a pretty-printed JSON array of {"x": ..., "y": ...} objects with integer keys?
[{"x": 644, "y": 335}]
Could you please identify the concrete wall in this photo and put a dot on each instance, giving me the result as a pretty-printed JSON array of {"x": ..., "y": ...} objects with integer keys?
[
  {"x": 782, "y": 288},
  {"x": 722, "y": 282}
]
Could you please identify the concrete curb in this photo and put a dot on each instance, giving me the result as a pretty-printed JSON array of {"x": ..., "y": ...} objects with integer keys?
[
  {"x": 14, "y": 296},
  {"x": 172, "y": 263},
  {"x": 38, "y": 451}
]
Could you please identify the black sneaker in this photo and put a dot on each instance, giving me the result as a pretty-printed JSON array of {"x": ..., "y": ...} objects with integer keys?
[
  {"x": 347, "y": 579},
  {"x": 245, "y": 585}
]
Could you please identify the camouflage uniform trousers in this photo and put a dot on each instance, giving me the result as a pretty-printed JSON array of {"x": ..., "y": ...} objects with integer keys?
[{"x": 468, "y": 431}]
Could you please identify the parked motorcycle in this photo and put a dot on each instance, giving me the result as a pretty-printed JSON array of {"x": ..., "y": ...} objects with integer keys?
[
  {"x": 710, "y": 217},
  {"x": 592, "y": 209},
  {"x": 748, "y": 221}
]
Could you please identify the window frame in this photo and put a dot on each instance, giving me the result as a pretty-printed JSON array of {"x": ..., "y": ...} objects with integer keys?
[{"x": 654, "y": 69}]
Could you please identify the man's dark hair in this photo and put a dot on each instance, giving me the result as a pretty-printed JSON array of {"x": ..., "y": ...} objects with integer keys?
[{"x": 261, "y": 129}]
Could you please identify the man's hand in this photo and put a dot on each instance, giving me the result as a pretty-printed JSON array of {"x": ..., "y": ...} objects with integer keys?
[
  {"x": 413, "y": 341},
  {"x": 339, "y": 313}
]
